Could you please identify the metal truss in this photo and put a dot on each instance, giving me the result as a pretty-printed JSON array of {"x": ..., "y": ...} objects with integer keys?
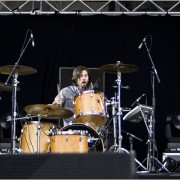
[{"x": 90, "y": 7}]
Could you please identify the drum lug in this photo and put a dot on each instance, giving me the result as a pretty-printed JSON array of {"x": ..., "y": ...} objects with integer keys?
[{"x": 81, "y": 139}]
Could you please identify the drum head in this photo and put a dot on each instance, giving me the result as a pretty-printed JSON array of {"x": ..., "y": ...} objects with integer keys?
[{"x": 95, "y": 143}]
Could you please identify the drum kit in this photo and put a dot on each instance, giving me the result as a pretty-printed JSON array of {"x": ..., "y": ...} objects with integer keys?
[{"x": 79, "y": 137}]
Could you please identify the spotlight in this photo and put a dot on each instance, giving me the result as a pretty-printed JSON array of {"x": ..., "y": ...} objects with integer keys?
[
  {"x": 176, "y": 120},
  {"x": 170, "y": 164},
  {"x": 5, "y": 121}
]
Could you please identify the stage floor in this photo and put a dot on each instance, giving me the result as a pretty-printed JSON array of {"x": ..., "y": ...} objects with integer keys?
[{"x": 147, "y": 175}]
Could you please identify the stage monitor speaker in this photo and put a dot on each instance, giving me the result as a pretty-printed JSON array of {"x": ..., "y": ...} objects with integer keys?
[
  {"x": 65, "y": 76},
  {"x": 67, "y": 166}
]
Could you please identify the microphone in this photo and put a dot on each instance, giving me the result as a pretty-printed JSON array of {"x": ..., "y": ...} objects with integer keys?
[
  {"x": 32, "y": 39},
  {"x": 142, "y": 42},
  {"x": 96, "y": 85},
  {"x": 123, "y": 87},
  {"x": 137, "y": 100}
]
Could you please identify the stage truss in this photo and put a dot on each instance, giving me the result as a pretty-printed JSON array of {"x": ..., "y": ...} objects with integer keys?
[{"x": 90, "y": 7}]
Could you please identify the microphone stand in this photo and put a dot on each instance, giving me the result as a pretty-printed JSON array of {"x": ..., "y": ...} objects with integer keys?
[
  {"x": 131, "y": 136},
  {"x": 151, "y": 153},
  {"x": 14, "y": 76}
]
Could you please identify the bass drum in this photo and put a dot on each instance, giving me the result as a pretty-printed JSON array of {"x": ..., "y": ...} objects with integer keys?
[{"x": 95, "y": 142}]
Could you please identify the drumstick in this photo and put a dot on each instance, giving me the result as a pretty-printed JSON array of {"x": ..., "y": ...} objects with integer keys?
[{"x": 58, "y": 90}]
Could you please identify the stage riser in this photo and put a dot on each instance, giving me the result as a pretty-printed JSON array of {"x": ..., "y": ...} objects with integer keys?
[{"x": 67, "y": 166}]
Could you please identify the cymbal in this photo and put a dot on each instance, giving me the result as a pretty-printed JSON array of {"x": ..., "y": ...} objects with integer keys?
[
  {"x": 21, "y": 70},
  {"x": 8, "y": 87},
  {"x": 123, "y": 68},
  {"x": 51, "y": 111}
]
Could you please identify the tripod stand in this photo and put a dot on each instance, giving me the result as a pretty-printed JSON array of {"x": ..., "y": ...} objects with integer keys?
[{"x": 147, "y": 113}]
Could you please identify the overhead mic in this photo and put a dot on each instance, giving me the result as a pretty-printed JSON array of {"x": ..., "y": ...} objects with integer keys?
[
  {"x": 142, "y": 42},
  {"x": 32, "y": 39}
]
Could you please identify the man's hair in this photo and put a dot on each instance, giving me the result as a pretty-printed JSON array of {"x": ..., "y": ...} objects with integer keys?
[{"x": 77, "y": 73}]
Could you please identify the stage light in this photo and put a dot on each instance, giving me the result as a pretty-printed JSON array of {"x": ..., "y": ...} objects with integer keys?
[
  {"x": 170, "y": 164},
  {"x": 5, "y": 121}
]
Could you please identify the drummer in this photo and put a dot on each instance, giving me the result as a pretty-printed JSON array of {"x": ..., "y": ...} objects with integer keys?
[{"x": 81, "y": 81}]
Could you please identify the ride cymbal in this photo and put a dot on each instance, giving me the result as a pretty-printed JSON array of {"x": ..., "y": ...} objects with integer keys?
[
  {"x": 20, "y": 70},
  {"x": 7, "y": 88},
  {"x": 119, "y": 67},
  {"x": 51, "y": 111}
]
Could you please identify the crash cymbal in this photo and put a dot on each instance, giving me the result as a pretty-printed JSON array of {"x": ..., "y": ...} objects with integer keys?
[
  {"x": 21, "y": 70},
  {"x": 8, "y": 87},
  {"x": 114, "y": 68},
  {"x": 52, "y": 111}
]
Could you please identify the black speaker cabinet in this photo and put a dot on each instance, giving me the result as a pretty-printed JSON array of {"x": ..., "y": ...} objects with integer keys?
[
  {"x": 65, "y": 76},
  {"x": 67, "y": 166}
]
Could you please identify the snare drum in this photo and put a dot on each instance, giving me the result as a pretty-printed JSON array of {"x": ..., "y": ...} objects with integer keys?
[{"x": 90, "y": 108}]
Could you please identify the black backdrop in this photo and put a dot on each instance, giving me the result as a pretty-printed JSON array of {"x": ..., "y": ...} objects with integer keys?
[{"x": 93, "y": 41}]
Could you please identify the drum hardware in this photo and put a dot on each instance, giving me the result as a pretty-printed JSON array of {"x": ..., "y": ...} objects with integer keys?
[
  {"x": 38, "y": 134},
  {"x": 26, "y": 117},
  {"x": 7, "y": 88},
  {"x": 118, "y": 68},
  {"x": 116, "y": 104}
]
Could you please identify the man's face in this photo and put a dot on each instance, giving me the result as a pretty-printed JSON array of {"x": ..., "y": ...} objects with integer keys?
[{"x": 82, "y": 81}]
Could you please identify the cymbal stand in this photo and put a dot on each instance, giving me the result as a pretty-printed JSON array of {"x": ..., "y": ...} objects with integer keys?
[
  {"x": 117, "y": 147},
  {"x": 14, "y": 76},
  {"x": 14, "y": 113}
]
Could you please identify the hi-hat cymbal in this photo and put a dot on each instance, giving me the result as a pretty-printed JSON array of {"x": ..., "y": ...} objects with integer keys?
[
  {"x": 21, "y": 70},
  {"x": 8, "y": 87},
  {"x": 114, "y": 68},
  {"x": 51, "y": 111}
]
